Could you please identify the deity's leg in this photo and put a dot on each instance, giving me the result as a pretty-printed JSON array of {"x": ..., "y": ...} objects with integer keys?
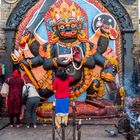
[{"x": 92, "y": 94}]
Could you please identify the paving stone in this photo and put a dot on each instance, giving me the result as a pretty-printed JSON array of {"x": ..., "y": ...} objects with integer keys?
[
  {"x": 95, "y": 131},
  {"x": 3, "y": 122}
]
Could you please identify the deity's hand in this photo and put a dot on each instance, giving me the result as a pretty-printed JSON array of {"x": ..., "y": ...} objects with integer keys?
[
  {"x": 24, "y": 39},
  {"x": 18, "y": 57},
  {"x": 27, "y": 63},
  {"x": 109, "y": 72},
  {"x": 77, "y": 53},
  {"x": 62, "y": 61}
]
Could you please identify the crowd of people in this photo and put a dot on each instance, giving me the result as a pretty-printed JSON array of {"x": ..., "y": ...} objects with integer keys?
[
  {"x": 15, "y": 101},
  {"x": 23, "y": 99}
]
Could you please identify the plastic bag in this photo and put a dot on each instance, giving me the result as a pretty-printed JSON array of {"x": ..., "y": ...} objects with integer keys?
[{"x": 4, "y": 90}]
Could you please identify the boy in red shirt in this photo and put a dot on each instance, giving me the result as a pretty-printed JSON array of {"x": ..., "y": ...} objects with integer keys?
[{"x": 61, "y": 87}]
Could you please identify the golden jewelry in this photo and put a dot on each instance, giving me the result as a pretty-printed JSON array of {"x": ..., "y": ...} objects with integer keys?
[
  {"x": 69, "y": 44},
  {"x": 29, "y": 62},
  {"x": 55, "y": 63},
  {"x": 30, "y": 42},
  {"x": 105, "y": 35}
]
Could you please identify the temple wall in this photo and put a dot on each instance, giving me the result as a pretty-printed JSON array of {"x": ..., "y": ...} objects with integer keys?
[
  {"x": 133, "y": 13},
  {"x": 5, "y": 10}
]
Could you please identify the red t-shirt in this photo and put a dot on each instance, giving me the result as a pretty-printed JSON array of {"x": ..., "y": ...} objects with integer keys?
[{"x": 62, "y": 87}]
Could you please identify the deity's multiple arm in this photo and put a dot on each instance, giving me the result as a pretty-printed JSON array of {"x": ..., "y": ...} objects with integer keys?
[
  {"x": 51, "y": 60},
  {"x": 89, "y": 59}
]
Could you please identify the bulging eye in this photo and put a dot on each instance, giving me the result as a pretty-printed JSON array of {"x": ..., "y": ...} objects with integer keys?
[
  {"x": 73, "y": 25},
  {"x": 61, "y": 27}
]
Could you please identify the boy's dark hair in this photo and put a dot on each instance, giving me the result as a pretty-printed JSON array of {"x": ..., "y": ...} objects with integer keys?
[{"x": 61, "y": 73}]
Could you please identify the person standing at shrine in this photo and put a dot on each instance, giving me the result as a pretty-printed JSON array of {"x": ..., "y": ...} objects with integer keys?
[
  {"x": 32, "y": 102},
  {"x": 61, "y": 86},
  {"x": 14, "y": 99}
]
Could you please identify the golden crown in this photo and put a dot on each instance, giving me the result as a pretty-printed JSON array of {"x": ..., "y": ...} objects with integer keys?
[{"x": 65, "y": 11}]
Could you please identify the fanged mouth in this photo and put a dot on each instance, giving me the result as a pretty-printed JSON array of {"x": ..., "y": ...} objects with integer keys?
[{"x": 68, "y": 33}]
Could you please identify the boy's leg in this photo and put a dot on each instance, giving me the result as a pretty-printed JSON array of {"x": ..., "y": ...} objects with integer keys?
[
  {"x": 66, "y": 119},
  {"x": 58, "y": 121}
]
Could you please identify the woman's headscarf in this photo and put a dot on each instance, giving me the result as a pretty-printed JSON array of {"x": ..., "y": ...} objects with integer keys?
[{"x": 16, "y": 73}]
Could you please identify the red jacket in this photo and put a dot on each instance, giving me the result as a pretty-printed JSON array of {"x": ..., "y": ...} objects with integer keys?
[
  {"x": 14, "y": 101},
  {"x": 62, "y": 87}
]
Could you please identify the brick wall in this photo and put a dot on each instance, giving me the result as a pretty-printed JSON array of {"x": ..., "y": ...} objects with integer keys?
[
  {"x": 5, "y": 10},
  {"x": 133, "y": 13}
]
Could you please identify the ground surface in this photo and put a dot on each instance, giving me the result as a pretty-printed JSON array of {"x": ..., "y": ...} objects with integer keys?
[{"x": 95, "y": 130}]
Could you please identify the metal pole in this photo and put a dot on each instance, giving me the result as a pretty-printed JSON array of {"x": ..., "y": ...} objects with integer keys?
[
  {"x": 63, "y": 129},
  {"x": 74, "y": 117},
  {"x": 79, "y": 129},
  {"x": 53, "y": 121}
]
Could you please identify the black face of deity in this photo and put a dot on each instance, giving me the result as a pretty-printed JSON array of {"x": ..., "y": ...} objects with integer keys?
[{"x": 67, "y": 28}]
